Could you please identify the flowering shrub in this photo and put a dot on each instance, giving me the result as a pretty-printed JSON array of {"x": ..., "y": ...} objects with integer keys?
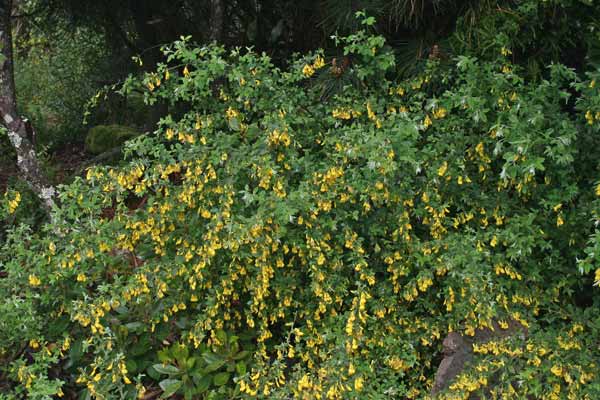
[{"x": 269, "y": 242}]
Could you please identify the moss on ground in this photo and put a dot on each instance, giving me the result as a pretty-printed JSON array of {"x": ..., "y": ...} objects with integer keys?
[{"x": 102, "y": 138}]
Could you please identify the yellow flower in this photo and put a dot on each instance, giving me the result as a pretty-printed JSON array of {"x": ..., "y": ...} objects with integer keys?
[
  {"x": 308, "y": 71},
  {"x": 14, "y": 203},
  {"x": 321, "y": 259},
  {"x": 494, "y": 241},
  {"x": 304, "y": 383},
  {"x": 427, "y": 122},
  {"x": 205, "y": 214},
  {"x": 556, "y": 370},
  {"x": 359, "y": 384},
  {"x": 341, "y": 113},
  {"x": 396, "y": 363},
  {"x": 34, "y": 280},
  {"x": 370, "y": 112},
  {"x": 440, "y": 113},
  {"x": 589, "y": 117},
  {"x": 319, "y": 63},
  {"x": 186, "y": 72},
  {"x": 231, "y": 113},
  {"x": 351, "y": 369},
  {"x": 443, "y": 168}
]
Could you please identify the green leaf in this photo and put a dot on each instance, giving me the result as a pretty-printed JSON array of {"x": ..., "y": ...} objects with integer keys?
[
  {"x": 234, "y": 124},
  {"x": 190, "y": 362},
  {"x": 131, "y": 365},
  {"x": 76, "y": 351},
  {"x": 153, "y": 373},
  {"x": 242, "y": 354},
  {"x": 142, "y": 346},
  {"x": 169, "y": 387},
  {"x": 221, "y": 378},
  {"x": 240, "y": 368},
  {"x": 221, "y": 336},
  {"x": 166, "y": 369},
  {"x": 180, "y": 352},
  {"x": 213, "y": 361},
  {"x": 203, "y": 383},
  {"x": 164, "y": 356},
  {"x": 134, "y": 326}
]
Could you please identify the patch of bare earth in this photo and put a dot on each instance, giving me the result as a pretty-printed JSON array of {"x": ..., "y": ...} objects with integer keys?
[{"x": 67, "y": 160}]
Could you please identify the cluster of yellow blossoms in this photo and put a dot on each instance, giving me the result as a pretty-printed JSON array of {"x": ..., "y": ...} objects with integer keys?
[{"x": 309, "y": 69}]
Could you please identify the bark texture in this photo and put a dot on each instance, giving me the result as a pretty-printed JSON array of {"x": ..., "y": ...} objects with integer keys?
[{"x": 18, "y": 131}]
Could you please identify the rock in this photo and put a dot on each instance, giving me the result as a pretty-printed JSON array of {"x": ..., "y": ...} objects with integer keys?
[
  {"x": 103, "y": 138},
  {"x": 458, "y": 350}
]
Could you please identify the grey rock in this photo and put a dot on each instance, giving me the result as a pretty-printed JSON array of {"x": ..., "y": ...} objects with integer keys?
[{"x": 458, "y": 351}]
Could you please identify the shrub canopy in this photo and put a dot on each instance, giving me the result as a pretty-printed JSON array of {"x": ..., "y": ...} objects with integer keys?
[{"x": 283, "y": 236}]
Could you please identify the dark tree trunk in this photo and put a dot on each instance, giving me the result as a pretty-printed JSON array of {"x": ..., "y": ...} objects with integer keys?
[
  {"x": 216, "y": 21},
  {"x": 17, "y": 128}
]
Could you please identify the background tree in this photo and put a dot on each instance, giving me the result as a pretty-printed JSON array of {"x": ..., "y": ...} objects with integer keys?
[{"x": 19, "y": 133}]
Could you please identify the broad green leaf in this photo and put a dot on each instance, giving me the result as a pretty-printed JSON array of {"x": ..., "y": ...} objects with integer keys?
[
  {"x": 213, "y": 361},
  {"x": 169, "y": 387},
  {"x": 221, "y": 378},
  {"x": 166, "y": 369},
  {"x": 203, "y": 383},
  {"x": 242, "y": 354}
]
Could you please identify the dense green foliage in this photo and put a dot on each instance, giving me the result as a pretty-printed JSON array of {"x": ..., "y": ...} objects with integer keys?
[
  {"x": 57, "y": 72},
  {"x": 271, "y": 241},
  {"x": 69, "y": 49},
  {"x": 539, "y": 31}
]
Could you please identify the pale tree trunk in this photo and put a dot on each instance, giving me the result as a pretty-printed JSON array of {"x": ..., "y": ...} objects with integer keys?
[{"x": 17, "y": 129}]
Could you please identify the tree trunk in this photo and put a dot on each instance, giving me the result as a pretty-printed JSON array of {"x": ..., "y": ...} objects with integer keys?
[
  {"x": 15, "y": 125},
  {"x": 216, "y": 21}
]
